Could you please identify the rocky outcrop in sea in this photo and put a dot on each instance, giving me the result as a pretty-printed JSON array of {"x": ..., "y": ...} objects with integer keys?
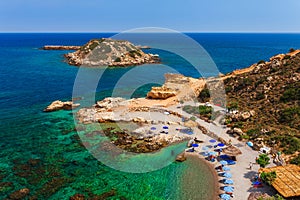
[
  {"x": 110, "y": 52},
  {"x": 59, "y": 105}
]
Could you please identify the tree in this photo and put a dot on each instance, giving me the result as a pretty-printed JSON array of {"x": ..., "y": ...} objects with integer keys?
[
  {"x": 263, "y": 160},
  {"x": 268, "y": 177}
]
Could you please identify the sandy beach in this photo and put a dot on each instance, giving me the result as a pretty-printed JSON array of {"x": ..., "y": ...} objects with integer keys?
[{"x": 241, "y": 173}]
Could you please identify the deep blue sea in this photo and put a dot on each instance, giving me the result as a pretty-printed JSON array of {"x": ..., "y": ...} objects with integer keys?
[{"x": 40, "y": 151}]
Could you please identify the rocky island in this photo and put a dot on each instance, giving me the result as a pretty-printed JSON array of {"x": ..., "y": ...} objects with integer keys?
[{"x": 110, "y": 52}]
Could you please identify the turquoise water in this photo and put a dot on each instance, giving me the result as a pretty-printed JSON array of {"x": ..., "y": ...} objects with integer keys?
[{"x": 41, "y": 151}]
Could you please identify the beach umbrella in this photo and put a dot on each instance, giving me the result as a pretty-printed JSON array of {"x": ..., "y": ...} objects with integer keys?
[
  {"x": 225, "y": 196},
  {"x": 226, "y": 168},
  {"x": 218, "y": 150},
  {"x": 231, "y": 162},
  {"x": 228, "y": 189},
  {"x": 250, "y": 144},
  {"x": 225, "y": 157},
  {"x": 153, "y": 128},
  {"x": 232, "y": 151},
  {"x": 227, "y": 175},
  {"x": 228, "y": 181},
  {"x": 195, "y": 145},
  {"x": 223, "y": 162},
  {"x": 165, "y": 127},
  {"x": 212, "y": 141},
  {"x": 205, "y": 148},
  {"x": 221, "y": 144},
  {"x": 256, "y": 183},
  {"x": 212, "y": 153}
]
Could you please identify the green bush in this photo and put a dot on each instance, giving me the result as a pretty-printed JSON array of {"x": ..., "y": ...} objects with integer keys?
[
  {"x": 292, "y": 50},
  {"x": 233, "y": 106},
  {"x": 260, "y": 96},
  {"x": 296, "y": 160},
  {"x": 263, "y": 160},
  {"x": 290, "y": 116},
  {"x": 205, "y": 111},
  {"x": 118, "y": 59},
  {"x": 290, "y": 94},
  {"x": 268, "y": 177},
  {"x": 253, "y": 133},
  {"x": 261, "y": 62},
  {"x": 204, "y": 95},
  {"x": 193, "y": 118},
  {"x": 228, "y": 89}
]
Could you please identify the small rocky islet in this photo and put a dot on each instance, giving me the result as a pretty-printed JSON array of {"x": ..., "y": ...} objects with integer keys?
[{"x": 106, "y": 52}]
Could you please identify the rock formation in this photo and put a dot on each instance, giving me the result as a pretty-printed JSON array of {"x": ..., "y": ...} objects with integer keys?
[
  {"x": 181, "y": 157},
  {"x": 20, "y": 194},
  {"x": 60, "y": 47},
  {"x": 109, "y": 52},
  {"x": 59, "y": 105},
  {"x": 184, "y": 88}
]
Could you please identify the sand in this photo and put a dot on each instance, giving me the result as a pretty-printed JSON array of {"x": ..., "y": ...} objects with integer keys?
[{"x": 241, "y": 174}]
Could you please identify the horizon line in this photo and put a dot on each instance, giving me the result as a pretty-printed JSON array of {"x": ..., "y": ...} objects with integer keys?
[{"x": 77, "y": 32}]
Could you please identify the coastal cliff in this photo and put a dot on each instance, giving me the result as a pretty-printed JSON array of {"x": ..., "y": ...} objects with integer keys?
[
  {"x": 110, "y": 52},
  {"x": 266, "y": 100}
]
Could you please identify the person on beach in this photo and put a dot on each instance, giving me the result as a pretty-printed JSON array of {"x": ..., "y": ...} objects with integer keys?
[{"x": 250, "y": 165}]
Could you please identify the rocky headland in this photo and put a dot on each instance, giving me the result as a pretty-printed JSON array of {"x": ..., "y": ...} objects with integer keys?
[
  {"x": 110, "y": 52},
  {"x": 263, "y": 104}
]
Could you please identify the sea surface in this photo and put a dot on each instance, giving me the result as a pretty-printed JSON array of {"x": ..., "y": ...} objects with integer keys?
[{"x": 42, "y": 152}]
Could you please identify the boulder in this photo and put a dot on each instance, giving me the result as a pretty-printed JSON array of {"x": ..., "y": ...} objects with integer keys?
[
  {"x": 181, "y": 157},
  {"x": 19, "y": 194},
  {"x": 245, "y": 115},
  {"x": 161, "y": 93},
  {"x": 252, "y": 113},
  {"x": 77, "y": 197},
  {"x": 59, "y": 105},
  {"x": 238, "y": 131}
]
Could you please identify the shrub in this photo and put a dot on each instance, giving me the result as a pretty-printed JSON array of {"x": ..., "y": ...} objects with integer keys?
[
  {"x": 204, "y": 110},
  {"x": 118, "y": 59},
  {"x": 263, "y": 160},
  {"x": 290, "y": 94},
  {"x": 193, "y": 118},
  {"x": 261, "y": 62},
  {"x": 233, "y": 106},
  {"x": 228, "y": 89},
  {"x": 290, "y": 116},
  {"x": 253, "y": 133},
  {"x": 292, "y": 50},
  {"x": 204, "y": 95},
  {"x": 268, "y": 177},
  {"x": 260, "y": 96},
  {"x": 296, "y": 160}
]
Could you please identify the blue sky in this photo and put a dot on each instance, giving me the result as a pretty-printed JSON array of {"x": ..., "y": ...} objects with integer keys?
[{"x": 180, "y": 15}]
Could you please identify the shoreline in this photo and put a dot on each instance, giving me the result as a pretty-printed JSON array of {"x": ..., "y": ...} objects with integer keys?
[{"x": 211, "y": 168}]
